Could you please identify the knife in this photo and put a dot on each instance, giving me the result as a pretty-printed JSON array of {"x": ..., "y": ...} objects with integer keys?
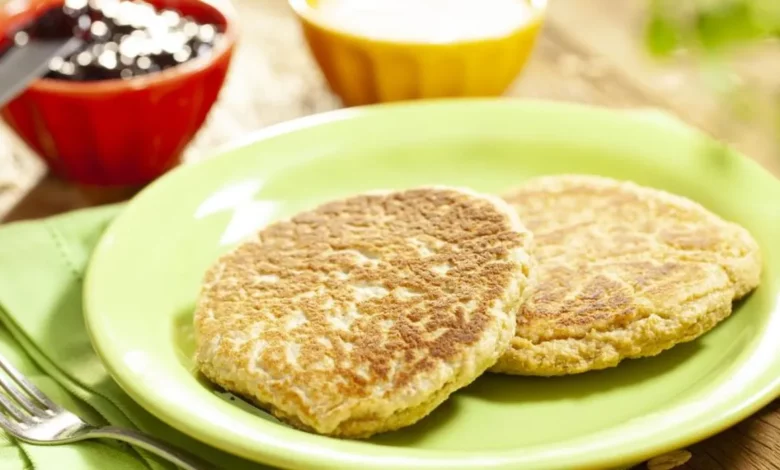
[{"x": 22, "y": 64}]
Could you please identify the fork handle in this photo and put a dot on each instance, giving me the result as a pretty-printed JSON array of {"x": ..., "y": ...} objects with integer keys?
[{"x": 172, "y": 454}]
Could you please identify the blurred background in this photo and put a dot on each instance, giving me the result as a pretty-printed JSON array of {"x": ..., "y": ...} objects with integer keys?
[{"x": 710, "y": 63}]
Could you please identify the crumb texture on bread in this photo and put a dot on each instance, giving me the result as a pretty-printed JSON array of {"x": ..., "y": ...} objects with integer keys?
[
  {"x": 623, "y": 271},
  {"x": 364, "y": 314}
]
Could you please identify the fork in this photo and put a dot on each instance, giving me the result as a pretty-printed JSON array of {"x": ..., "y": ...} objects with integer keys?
[{"x": 32, "y": 417}]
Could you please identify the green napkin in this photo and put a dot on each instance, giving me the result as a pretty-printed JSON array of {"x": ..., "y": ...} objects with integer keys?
[{"x": 42, "y": 265}]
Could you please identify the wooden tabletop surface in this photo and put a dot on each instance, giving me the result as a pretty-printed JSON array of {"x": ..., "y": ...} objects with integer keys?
[{"x": 589, "y": 51}]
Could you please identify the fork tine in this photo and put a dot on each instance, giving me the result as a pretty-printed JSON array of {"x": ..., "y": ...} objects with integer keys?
[
  {"x": 21, "y": 398},
  {"x": 8, "y": 426},
  {"x": 26, "y": 385},
  {"x": 9, "y": 406}
]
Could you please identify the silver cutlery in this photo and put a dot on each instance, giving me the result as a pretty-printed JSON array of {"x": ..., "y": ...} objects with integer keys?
[
  {"x": 27, "y": 62},
  {"x": 32, "y": 417}
]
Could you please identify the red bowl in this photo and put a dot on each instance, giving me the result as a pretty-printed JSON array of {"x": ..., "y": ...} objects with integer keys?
[{"x": 119, "y": 132}]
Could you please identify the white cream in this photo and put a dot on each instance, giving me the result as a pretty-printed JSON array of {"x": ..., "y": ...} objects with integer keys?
[{"x": 428, "y": 21}]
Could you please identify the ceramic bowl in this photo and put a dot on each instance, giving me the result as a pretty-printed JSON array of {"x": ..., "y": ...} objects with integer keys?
[
  {"x": 119, "y": 132},
  {"x": 363, "y": 69}
]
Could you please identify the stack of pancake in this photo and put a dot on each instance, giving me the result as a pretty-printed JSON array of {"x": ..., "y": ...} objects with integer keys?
[{"x": 364, "y": 314}]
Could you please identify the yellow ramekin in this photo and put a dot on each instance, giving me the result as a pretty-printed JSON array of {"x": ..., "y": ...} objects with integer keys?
[{"x": 363, "y": 70}]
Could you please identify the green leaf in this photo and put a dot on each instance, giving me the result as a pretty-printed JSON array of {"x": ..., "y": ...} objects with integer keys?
[
  {"x": 662, "y": 36},
  {"x": 728, "y": 23}
]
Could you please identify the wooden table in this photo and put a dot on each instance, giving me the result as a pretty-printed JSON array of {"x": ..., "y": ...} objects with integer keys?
[{"x": 589, "y": 52}]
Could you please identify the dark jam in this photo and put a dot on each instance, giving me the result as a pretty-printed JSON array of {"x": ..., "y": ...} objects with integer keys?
[{"x": 122, "y": 39}]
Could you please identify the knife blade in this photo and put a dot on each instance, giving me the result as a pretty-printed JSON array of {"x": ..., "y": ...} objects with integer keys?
[{"x": 22, "y": 64}]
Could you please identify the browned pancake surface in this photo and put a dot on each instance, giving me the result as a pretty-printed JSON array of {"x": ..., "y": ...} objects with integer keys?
[
  {"x": 623, "y": 271},
  {"x": 364, "y": 314}
]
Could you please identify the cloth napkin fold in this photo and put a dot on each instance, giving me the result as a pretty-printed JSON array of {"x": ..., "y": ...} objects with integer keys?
[{"x": 42, "y": 333}]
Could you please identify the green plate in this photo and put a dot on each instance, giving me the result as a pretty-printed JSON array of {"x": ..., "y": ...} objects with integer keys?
[{"x": 145, "y": 274}]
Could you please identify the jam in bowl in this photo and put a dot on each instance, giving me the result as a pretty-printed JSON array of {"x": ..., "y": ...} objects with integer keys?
[{"x": 120, "y": 110}]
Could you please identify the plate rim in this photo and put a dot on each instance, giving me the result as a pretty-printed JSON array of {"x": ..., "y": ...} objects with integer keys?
[{"x": 425, "y": 459}]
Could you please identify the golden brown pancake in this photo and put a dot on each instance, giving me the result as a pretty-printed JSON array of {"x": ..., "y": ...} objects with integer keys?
[
  {"x": 363, "y": 315},
  {"x": 623, "y": 271}
]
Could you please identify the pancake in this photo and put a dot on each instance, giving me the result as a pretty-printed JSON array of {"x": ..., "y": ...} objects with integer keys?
[
  {"x": 623, "y": 271},
  {"x": 363, "y": 315}
]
